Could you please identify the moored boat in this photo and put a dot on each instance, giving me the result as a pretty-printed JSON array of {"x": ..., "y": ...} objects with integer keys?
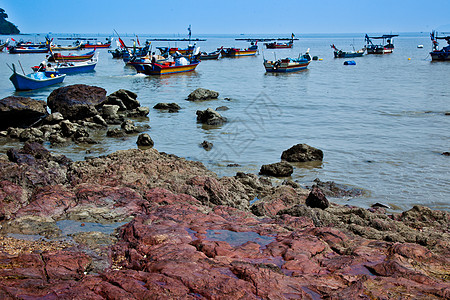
[
  {"x": 55, "y": 57},
  {"x": 179, "y": 65},
  {"x": 338, "y": 53},
  {"x": 440, "y": 54},
  {"x": 89, "y": 45},
  {"x": 61, "y": 48},
  {"x": 68, "y": 67},
  {"x": 35, "y": 80},
  {"x": 386, "y": 47},
  {"x": 276, "y": 45},
  {"x": 210, "y": 55},
  {"x": 288, "y": 64},
  {"x": 237, "y": 52},
  {"x": 24, "y": 50}
]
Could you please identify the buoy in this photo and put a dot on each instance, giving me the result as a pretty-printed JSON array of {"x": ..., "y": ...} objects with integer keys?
[
  {"x": 320, "y": 59},
  {"x": 349, "y": 63},
  {"x": 315, "y": 58},
  {"x": 419, "y": 46},
  {"x": 409, "y": 58}
]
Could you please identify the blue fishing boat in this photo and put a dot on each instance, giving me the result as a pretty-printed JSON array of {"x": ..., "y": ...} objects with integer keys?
[
  {"x": 67, "y": 67},
  {"x": 338, "y": 53},
  {"x": 35, "y": 80},
  {"x": 440, "y": 54},
  {"x": 288, "y": 64}
]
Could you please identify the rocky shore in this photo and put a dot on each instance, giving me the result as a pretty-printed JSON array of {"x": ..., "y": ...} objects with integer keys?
[
  {"x": 141, "y": 224},
  {"x": 183, "y": 233}
]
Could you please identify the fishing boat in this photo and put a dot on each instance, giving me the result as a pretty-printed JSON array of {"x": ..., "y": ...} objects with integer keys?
[
  {"x": 67, "y": 67},
  {"x": 55, "y": 57},
  {"x": 276, "y": 45},
  {"x": 35, "y": 80},
  {"x": 62, "y": 48},
  {"x": 236, "y": 52},
  {"x": 24, "y": 50},
  {"x": 4, "y": 45},
  {"x": 210, "y": 55},
  {"x": 288, "y": 64},
  {"x": 386, "y": 47},
  {"x": 338, "y": 53},
  {"x": 440, "y": 54},
  {"x": 179, "y": 65},
  {"x": 166, "y": 51},
  {"x": 89, "y": 45}
]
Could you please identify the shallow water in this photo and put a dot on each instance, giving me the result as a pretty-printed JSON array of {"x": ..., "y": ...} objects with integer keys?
[{"x": 381, "y": 123}]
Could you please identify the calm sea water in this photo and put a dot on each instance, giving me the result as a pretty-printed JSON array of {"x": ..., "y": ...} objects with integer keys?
[{"x": 381, "y": 123}]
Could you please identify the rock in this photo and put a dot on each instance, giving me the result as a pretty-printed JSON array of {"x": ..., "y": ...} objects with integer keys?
[
  {"x": 21, "y": 111},
  {"x": 141, "y": 111},
  {"x": 144, "y": 140},
  {"x": 76, "y": 102},
  {"x": 109, "y": 112},
  {"x": 302, "y": 153},
  {"x": 127, "y": 98},
  {"x": 202, "y": 94},
  {"x": 68, "y": 128},
  {"x": 279, "y": 169},
  {"x": 210, "y": 117},
  {"x": 115, "y": 132},
  {"x": 97, "y": 119},
  {"x": 206, "y": 145},
  {"x": 54, "y": 118},
  {"x": 222, "y": 108},
  {"x": 317, "y": 199},
  {"x": 332, "y": 189},
  {"x": 31, "y": 135},
  {"x": 129, "y": 127},
  {"x": 171, "y": 107}
]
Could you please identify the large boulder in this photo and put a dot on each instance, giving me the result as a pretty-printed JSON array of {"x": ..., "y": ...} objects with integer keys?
[
  {"x": 202, "y": 94},
  {"x": 21, "y": 111},
  {"x": 77, "y": 102},
  {"x": 125, "y": 99},
  {"x": 279, "y": 169},
  {"x": 302, "y": 153},
  {"x": 210, "y": 117}
]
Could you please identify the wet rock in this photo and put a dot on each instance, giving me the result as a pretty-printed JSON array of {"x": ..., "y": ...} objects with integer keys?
[
  {"x": 141, "y": 111},
  {"x": 333, "y": 189},
  {"x": 54, "y": 118},
  {"x": 127, "y": 99},
  {"x": 202, "y": 94},
  {"x": 206, "y": 145},
  {"x": 68, "y": 128},
  {"x": 76, "y": 102},
  {"x": 171, "y": 107},
  {"x": 280, "y": 169},
  {"x": 110, "y": 112},
  {"x": 302, "y": 153},
  {"x": 210, "y": 117},
  {"x": 316, "y": 198},
  {"x": 222, "y": 108},
  {"x": 129, "y": 127},
  {"x": 145, "y": 140},
  {"x": 21, "y": 111},
  {"x": 97, "y": 119},
  {"x": 31, "y": 135},
  {"x": 115, "y": 132}
]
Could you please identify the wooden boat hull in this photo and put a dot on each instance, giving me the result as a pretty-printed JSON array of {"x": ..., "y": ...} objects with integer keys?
[
  {"x": 271, "y": 68},
  {"x": 379, "y": 50},
  {"x": 164, "y": 68},
  {"x": 233, "y": 52},
  {"x": 92, "y": 46},
  {"x": 34, "y": 80},
  {"x": 287, "y": 64},
  {"x": 61, "y": 48},
  {"x": 56, "y": 57},
  {"x": 440, "y": 55},
  {"x": 213, "y": 55},
  {"x": 279, "y": 46},
  {"x": 14, "y": 50},
  {"x": 342, "y": 54}
]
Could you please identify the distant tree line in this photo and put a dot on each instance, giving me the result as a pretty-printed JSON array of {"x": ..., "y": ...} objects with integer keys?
[{"x": 7, "y": 27}]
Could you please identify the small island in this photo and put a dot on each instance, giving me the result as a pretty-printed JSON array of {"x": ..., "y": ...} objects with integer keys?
[{"x": 7, "y": 27}]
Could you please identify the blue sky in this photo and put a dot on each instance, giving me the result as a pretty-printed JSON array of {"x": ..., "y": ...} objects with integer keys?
[{"x": 207, "y": 17}]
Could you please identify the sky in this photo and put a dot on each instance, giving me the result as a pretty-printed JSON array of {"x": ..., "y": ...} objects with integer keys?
[{"x": 228, "y": 17}]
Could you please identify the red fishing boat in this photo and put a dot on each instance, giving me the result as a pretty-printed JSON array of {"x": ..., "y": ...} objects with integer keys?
[
  {"x": 58, "y": 57},
  {"x": 236, "y": 52}
]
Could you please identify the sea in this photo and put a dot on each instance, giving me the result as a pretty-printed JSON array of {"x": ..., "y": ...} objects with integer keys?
[{"x": 382, "y": 124}]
